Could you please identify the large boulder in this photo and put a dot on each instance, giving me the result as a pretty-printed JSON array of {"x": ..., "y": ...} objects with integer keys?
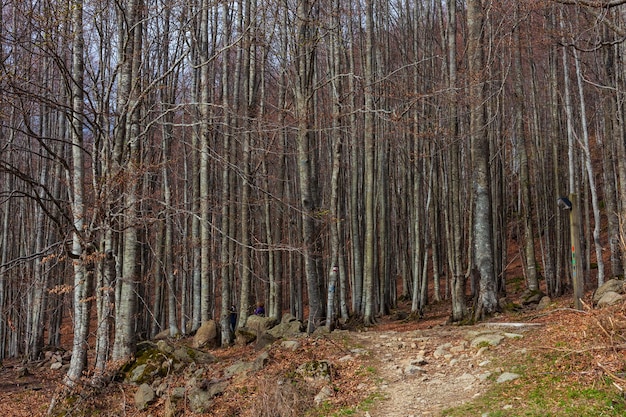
[
  {"x": 610, "y": 298},
  {"x": 206, "y": 336},
  {"x": 259, "y": 324},
  {"x": 289, "y": 326},
  {"x": 148, "y": 364},
  {"x": 612, "y": 285},
  {"x": 188, "y": 355},
  {"x": 243, "y": 336}
]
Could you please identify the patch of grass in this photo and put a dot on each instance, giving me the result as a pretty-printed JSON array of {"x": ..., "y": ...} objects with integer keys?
[
  {"x": 365, "y": 405},
  {"x": 550, "y": 385},
  {"x": 365, "y": 370}
]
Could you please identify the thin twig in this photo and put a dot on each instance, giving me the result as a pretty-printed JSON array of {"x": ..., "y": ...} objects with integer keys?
[{"x": 612, "y": 375}]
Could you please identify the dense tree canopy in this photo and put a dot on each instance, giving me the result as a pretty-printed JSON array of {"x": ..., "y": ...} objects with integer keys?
[{"x": 163, "y": 160}]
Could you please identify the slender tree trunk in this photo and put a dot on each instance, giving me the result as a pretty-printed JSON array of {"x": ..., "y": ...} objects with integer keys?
[
  {"x": 37, "y": 295},
  {"x": 335, "y": 215},
  {"x": 369, "y": 191},
  {"x": 356, "y": 185},
  {"x": 457, "y": 277},
  {"x": 205, "y": 232},
  {"x": 526, "y": 209},
  {"x": 226, "y": 289},
  {"x": 590, "y": 175}
]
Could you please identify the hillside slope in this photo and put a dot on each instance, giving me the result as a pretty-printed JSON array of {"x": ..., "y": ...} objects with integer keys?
[{"x": 398, "y": 368}]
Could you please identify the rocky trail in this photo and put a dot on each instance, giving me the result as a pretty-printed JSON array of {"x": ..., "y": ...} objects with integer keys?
[
  {"x": 423, "y": 372},
  {"x": 398, "y": 368}
]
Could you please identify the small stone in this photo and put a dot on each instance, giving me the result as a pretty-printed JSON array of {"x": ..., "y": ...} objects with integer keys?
[
  {"x": 144, "y": 396},
  {"x": 412, "y": 370},
  {"x": 507, "y": 376}
]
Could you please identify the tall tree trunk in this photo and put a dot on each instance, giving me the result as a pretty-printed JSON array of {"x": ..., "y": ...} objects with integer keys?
[
  {"x": 521, "y": 134},
  {"x": 356, "y": 182},
  {"x": 37, "y": 295},
  {"x": 487, "y": 302},
  {"x": 590, "y": 174},
  {"x": 205, "y": 231},
  {"x": 82, "y": 306},
  {"x": 369, "y": 190},
  {"x": 457, "y": 277},
  {"x": 336, "y": 137},
  {"x": 129, "y": 140},
  {"x": 227, "y": 302},
  {"x": 305, "y": 66}
]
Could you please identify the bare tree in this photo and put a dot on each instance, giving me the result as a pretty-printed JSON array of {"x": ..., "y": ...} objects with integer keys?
[{"x": 487, "y": 302}]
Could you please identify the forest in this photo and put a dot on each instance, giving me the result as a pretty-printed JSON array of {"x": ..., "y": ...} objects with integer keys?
[{"x": 164, "y": 160}]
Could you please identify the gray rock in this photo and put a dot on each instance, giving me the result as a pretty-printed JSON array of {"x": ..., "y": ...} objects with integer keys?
[
  {"x": 201, "y": 397},
  {"x": 292, "y": 345},
  {"x": 420, "y": 360},
  {"x": 442, "y": 350},
  {"x": 265, "y": 339},
  {"x": 56, "y": 366},
  {"x": 261, "y": 361},
  {"x": 466, "y": 379},
  {"x": 612, "y": 285},
  {"x": 544, "y": 303},
  {"x": 412, "y": 369},
  {"x": 459, "y": 348},
  {"x": 164, "y": 347},
  {"x": 507, "y": 376},
  {"x": 315, "y": 371},
  {"x": 243, "y": 336},
  {"x": 484, "y": 376},
  {"x": 532, "y": 298},
  {"x": 238, "y": 368},
  {"x": 178, "y": 393},
  {"x": 138, "y": 373},
  {"x": 288, "y": 318},
  {"x": 199, "y": 400},
  {"x": 162, "y": 335},
  {"x": 206, "y": 335},
  {"x": 487, "y": 339},
  {"x": 144, "y": 396},
  {"x": 259, "y": 325},
  {"x": 610, "y": 298},
  {"x": 325, "y": 393},
  {"x": 286, "y": 329}
]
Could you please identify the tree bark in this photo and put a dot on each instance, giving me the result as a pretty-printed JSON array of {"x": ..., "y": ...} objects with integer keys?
[
  {"x": 487, "y": 302},
  {"x": 82, "y": 306}
]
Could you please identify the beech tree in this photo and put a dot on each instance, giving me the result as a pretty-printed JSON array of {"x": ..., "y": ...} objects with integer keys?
[
  {"x": 168, "y": 160},
  {"x": 482, "y": 222}
]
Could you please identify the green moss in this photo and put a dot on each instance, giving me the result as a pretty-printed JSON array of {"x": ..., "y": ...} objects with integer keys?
[{"x": 152, "y": 358}]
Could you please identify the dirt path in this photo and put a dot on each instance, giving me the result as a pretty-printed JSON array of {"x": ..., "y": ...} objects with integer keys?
[{"x": 423, "y": 372}]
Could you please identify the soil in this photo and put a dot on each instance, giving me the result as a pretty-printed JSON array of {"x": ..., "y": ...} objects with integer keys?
[
  {"x": 419, "y": 378},
  {"x": 411, "y": 367}
]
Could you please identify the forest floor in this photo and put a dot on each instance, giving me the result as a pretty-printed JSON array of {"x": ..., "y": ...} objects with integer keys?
[{"x": 562, "y": 359}]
